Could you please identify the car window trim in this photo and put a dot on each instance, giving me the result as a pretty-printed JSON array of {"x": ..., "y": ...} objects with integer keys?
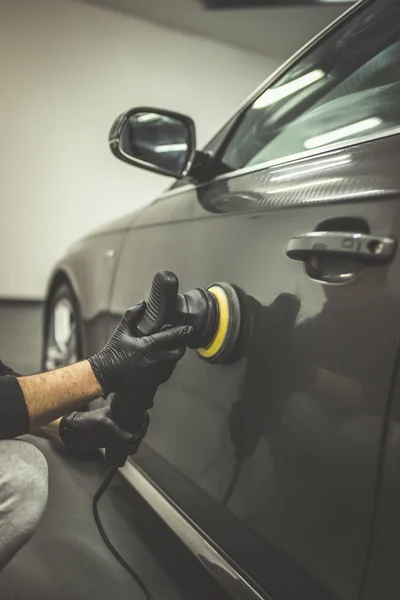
[
  {"x": 237, "y": 116},
  {"x": 310, "y": 153},
  {"x": 290, "y": 158}
]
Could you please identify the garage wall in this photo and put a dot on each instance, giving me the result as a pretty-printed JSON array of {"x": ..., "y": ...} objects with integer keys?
[{"x": 66, "y": 71}]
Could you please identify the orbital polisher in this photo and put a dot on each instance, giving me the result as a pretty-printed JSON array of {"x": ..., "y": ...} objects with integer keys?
[{"x": 214, "y": 313}]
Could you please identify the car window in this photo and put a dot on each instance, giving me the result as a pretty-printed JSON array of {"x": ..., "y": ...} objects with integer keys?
[{"x": 346, "y": 87}]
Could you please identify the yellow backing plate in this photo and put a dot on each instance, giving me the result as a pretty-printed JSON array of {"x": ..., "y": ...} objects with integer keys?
[{"x": 223, "y": 324}]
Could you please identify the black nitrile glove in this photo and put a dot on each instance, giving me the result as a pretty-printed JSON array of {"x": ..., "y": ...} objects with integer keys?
[
  {"x": 89, "y": 431},
  {"x": 136, "y": 365}
]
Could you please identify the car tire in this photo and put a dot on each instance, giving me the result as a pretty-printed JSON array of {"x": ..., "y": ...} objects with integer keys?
[{"x": 62, "y": 339}]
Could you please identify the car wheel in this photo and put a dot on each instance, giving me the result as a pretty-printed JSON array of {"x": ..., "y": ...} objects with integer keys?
[{"x": 62, "y": 338}]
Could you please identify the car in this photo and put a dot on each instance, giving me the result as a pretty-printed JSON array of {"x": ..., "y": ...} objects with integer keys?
[{"x": 280, "y": 469}]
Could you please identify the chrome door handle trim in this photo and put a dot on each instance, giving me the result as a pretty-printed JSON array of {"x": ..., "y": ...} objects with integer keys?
[{"x": 366, "y": 248}]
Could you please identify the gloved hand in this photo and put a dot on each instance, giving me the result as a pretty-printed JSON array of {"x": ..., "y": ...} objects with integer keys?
[
  {"x": 89, "y": 431},
  {"x": 136, "y": 365}
]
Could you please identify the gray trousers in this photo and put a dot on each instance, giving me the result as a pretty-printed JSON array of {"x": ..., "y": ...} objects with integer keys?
[{"x": 23, "y": 494}]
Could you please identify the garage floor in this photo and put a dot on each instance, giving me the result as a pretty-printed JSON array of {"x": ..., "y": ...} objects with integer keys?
[{"x": 66, "y": 558}]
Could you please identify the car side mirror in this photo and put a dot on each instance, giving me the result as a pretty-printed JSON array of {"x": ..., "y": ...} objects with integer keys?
[{"x": 157, "y": 140}]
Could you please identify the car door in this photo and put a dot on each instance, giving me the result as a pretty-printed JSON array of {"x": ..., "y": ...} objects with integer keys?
[{"x": 275, "y": 457}]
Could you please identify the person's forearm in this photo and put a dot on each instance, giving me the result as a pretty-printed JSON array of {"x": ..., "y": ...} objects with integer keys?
[{"x": 51, "y": 395}]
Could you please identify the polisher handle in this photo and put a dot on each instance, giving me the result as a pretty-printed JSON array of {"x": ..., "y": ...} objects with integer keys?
[
  {"x": 129, "y": 413},
  {"x": 161, "y": 307}
]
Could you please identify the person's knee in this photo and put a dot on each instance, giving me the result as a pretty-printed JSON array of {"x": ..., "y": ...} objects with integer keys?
[{"x": 23, "y": 486}]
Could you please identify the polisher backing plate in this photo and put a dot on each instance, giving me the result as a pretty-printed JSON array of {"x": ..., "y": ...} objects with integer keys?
[{"x": 228, "y": 324}]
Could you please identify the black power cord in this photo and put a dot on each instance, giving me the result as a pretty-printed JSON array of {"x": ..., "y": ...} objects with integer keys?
[{"x": 107, "y": 480}]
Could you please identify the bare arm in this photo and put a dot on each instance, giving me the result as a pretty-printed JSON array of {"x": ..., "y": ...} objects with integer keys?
[
  {"x": 51, "y": 395},
  {"x": 127, "y": 364}
]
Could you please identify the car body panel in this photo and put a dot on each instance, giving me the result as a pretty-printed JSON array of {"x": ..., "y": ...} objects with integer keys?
[
  {"x": 89, "y": 267},
  {"x": 308, "y": 506},
  {"x": 119, "y": 224}
]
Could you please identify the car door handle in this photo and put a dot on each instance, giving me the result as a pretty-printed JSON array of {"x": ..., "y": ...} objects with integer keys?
[{"x": 366, "y": 248}]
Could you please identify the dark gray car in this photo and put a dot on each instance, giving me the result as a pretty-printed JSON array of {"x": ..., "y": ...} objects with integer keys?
[{"x": 281, "y": 471}]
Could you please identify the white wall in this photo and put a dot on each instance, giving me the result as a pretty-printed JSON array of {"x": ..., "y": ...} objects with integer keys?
[{"x": 66, "y": 70}]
